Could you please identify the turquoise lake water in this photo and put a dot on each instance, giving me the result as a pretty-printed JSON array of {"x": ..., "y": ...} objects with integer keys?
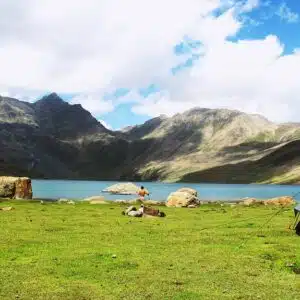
[{"x": 73, "y": 189}]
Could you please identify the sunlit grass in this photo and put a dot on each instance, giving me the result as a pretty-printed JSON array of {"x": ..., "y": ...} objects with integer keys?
[{"x": 62, "y": 251}]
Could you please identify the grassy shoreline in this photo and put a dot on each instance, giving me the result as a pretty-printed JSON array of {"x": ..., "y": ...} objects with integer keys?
[{"x": 62, "y": 251}]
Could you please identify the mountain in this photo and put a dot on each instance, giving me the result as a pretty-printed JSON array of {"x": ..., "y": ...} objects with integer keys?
[{"x": 53, "y": 139}]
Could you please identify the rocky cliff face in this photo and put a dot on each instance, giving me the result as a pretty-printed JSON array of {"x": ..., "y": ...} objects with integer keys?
[{"x": 53, "y": 139}]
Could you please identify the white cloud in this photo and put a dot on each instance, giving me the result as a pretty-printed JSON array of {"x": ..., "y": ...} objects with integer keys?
[
  {"x": 68, "y": 46},
  {"x": 106, "y": 125},
  {"x": 286, "y": 14},
  {"x": 94, "y": 47},
  {"x": 93, "y": 103}
]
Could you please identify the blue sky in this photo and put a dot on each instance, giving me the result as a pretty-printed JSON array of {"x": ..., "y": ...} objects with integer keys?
[{"x": 155, "y": 57}]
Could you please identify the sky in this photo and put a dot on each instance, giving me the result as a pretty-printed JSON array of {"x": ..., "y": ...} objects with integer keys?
[{"x": 128, "y": 61}]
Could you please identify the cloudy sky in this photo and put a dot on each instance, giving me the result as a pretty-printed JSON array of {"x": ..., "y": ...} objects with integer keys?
[{"x": 129, "y": 60}]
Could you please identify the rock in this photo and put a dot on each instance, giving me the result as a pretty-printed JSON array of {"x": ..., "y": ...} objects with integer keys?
[
  {"x": 7, "y": 208},
  {"x": 15, "y": 187},
  {"x": 282, "y": 201},
  {"x": 65, "y": 201},
  {"x": 128, "y": 188},
  {"x": 188, "y": 190},
  {"x": 94, "y": 198},
  {"x": 23, "y": 188},
  {"x": 114, "y": 256},
  {"x": 192, "y": 206},
  {"x": 121, "y": 201},
  {"x": 250, "y": 201},
  {"x": 182, "y": 199}
]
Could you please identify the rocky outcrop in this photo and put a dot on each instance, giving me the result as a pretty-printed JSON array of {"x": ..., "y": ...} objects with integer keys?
[
  {"x": 278, "y": 201},
  {"x": 250, "y": 201},
  {"x": 15, "y": 187},
  {"x": 281, "y": 201},
  {"x": 183, "y": 198},
  {"x": 128, "y": 188}
]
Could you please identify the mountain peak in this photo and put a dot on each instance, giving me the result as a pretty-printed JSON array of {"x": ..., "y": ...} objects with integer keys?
[{"x": 52, "y": 98}]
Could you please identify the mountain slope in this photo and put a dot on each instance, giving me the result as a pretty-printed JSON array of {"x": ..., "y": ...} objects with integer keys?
[{"x": 53, "y": 139}]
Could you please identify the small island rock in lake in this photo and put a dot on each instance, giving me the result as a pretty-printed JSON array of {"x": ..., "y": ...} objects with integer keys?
[
  {"x": 183, "y": 197},
  {"x": 15, "y": 187},
  {"x": 128, "y": 188}
]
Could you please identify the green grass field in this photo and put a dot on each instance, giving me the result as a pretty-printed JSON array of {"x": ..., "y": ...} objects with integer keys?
[{"x": 59, "y": 251}]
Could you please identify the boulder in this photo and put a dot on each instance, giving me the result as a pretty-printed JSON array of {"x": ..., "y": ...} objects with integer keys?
[
  {"x": 280, "y": 201},
  {"x": 182, "y": 198},
  {"x": 15, "y": 187},
  {"x": 188, "y": 190},
  {"x": 128, "y": 188},
  {"x": 250, "y": 201}
]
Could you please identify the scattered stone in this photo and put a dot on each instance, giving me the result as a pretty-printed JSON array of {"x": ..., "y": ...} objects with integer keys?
[
  {"x": 65, "y": 201},
  {"x": 114, "y": 256},
  {"x": 183, "y": 198},
  {"x": 7, "y": 208},
  {"x": 280, "y": 201},
  {"x": 128, "y": 188},
  {"x": 121, "y": 201},
  {"x": 15, "y": 187},
  {"x": 250, "y": 201},
  {"x": 290, "y": 265},
  {"x": 192, "y": 206}
]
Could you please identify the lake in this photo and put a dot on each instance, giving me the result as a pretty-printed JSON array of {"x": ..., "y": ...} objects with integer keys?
[{"x": 79, "y": 189}]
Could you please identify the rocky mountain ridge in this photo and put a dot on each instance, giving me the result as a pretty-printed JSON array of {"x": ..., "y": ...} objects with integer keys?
[{"x": 53, "y": 139}]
